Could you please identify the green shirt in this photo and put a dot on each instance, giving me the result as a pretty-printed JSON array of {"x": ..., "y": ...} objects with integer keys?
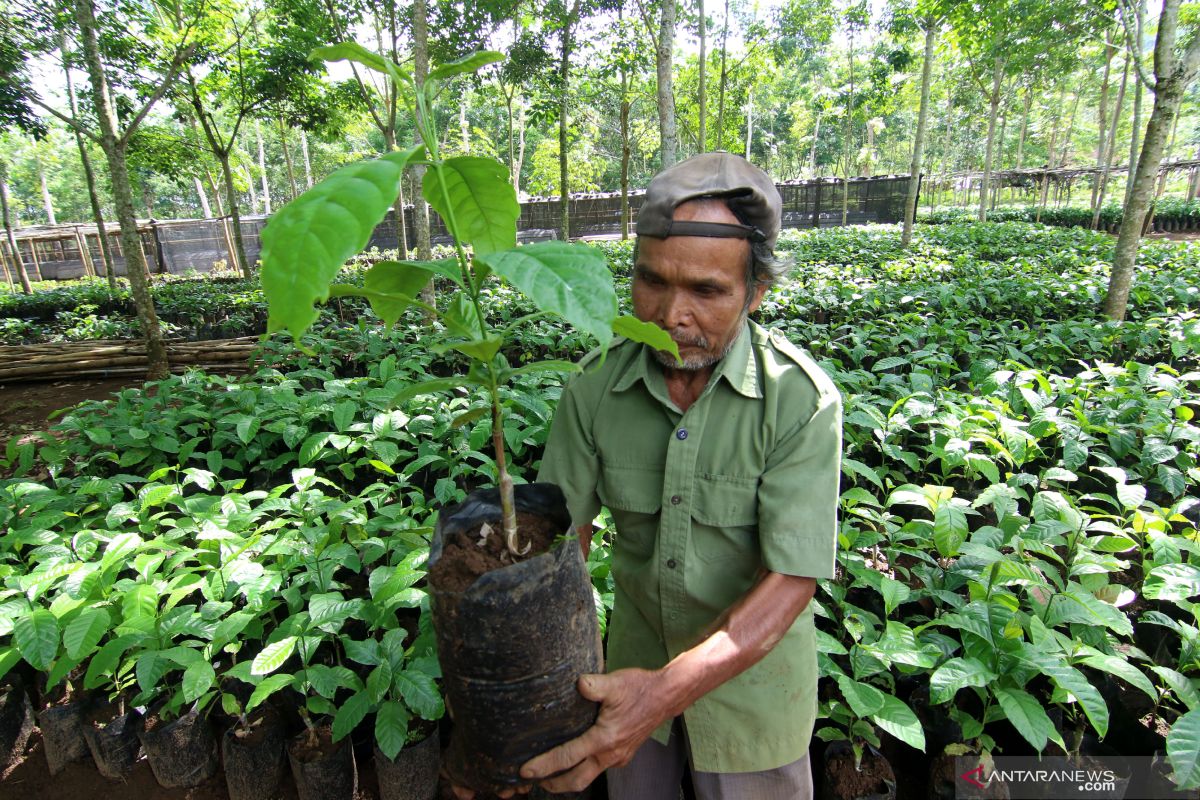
[{"x": 746, "y": 478}]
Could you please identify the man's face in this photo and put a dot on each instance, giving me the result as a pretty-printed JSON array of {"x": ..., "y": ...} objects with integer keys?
[{"x": 694, "y": 288}]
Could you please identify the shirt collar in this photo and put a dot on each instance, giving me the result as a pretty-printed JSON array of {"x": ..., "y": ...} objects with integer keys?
[{"x": 738, "y": 368}]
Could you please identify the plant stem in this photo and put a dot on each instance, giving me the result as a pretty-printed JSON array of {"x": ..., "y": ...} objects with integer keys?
[{"x": 507, "y": 502}]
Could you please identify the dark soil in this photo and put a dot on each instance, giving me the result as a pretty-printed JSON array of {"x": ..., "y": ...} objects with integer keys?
[
  {"x": 847, "y": 783},
  {"x": 259, "y": 728},
  {"x": 467, "y": 555},
  {"x": 308, "y": 748}
]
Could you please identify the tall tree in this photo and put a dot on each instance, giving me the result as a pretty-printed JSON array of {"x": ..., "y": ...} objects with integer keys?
[
  {"x": 931, "y": 21},
  {"x": 662, "y": 34},
  {"x": 114, "y": 138},
  {"x": 1175, "y": 65}
]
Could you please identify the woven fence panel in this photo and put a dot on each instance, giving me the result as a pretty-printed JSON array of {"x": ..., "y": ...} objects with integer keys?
[{"x": 202, "y": 245}]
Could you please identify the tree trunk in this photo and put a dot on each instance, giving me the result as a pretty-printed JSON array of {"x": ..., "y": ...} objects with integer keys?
[
  {"x": 1069, "y": 136},
  {"x": 724, "y": 80},
  {"x": 1102, "y": 115},
  {"x": 420, "y": 31},
  {"x": 664, "y": 63},
  {"x": 812, "y": 155},
  {"x": 287, "y": 158},
  {"x": 114, "y": 151},
  {"x": 749, "y": 121},
  {"x": 262, "y": 169},
  {"x": 1024, "y": 127},
  {"x": 1050, "y": 155},
  {"x": 999, "y": 158},
  {"x": 846, "y": 147},
  {"x": 1110, "y": 147},
  {"x": 702, "y": 93},
  {"x": 993, "y": 113},
  {"x": 914, "y": 180},
  {"x": 564, "y": 176},
  {"x": 1148, "y": 225},
  {"x": 308, "y": 181},
  {"x": 235, "y": 217},
  {"x": 47, "y": 200},
  {"x": 1167, "y": 97},
  {"x": 1135, "y": 134},
  {"x": 18, "y": 262},
  {"x": 625, "y": 153},
  {"x": 200, "y": 193},
  {"x": 89, "y": 176}
]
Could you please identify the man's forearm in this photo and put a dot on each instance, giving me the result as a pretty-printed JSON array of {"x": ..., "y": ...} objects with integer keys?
[{"x": 744, "y": 635}]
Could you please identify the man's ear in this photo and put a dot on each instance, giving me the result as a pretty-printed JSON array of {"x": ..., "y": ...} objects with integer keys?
[{"x": 760, "y": 291}]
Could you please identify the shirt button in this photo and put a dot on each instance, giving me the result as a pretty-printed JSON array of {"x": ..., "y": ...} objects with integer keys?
[
  {"x": 676, "y": 499},
  {"x": 681, "y": 434},
  {"x": 670, "y": 563}
]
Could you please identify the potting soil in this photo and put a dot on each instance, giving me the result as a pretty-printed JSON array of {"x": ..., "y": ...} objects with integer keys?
[{"x": 468, "y": 555}]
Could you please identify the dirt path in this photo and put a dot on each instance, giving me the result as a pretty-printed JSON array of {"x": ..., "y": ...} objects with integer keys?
[{"x": 26, "y": 407}]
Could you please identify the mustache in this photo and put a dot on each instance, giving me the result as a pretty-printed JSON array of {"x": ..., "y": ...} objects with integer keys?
[{"x": 684, "y": 339}]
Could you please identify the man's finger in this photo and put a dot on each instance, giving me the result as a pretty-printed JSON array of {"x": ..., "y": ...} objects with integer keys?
[
  {"x": 576, "y": 780},
  {"x": 561, "y": 758},
  {"x": 594, "y": 687}
]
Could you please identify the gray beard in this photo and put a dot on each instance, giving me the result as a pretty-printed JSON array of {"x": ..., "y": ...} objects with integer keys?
[{"x": 702, "y": 360}]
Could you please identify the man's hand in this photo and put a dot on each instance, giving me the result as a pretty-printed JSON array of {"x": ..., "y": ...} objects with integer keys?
[{"x": 632, "y": 705}]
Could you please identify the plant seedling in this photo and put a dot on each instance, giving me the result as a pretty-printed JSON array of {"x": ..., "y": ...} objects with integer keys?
[{"x": 309, "y": 240}]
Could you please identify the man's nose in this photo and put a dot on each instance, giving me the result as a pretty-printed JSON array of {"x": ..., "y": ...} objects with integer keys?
[{"x": 676, "y": 311}]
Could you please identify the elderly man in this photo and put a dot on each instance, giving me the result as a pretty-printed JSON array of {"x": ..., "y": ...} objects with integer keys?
[{"x": 721, "y": 474}]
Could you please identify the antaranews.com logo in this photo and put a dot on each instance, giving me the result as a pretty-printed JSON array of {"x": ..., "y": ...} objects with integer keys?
[{"x": 1060, "y": 778}]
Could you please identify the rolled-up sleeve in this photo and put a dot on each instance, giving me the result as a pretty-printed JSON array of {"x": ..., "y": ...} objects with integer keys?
[{"x": 798, "y": 494}]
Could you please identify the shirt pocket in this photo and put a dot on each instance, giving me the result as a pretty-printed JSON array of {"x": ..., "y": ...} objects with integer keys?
[
  {"x": 727, "y": 507},
  {"x": 634, "y": 496}
]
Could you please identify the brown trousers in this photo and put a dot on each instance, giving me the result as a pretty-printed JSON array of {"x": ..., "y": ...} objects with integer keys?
[{"x": 656, "y": 773}]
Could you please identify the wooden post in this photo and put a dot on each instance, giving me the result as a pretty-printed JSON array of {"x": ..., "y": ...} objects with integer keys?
[
  {"x": 233, "y": 262},
  {"x": 4, "y": 257},
  {"x": 37, "y": 267},
  {"x": 86, "y": 257}
]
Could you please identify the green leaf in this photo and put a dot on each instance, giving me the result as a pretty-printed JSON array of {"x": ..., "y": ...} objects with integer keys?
[
  {"x": 1180, "y": 685},
  {"x": 571, "y": 280},
  {"x": 1172, "y": 582},
  {"x": 104, "y": 663},
  {"x": 246, "y": 428},
  {"x": 352, "y": 51},
  {"x": 431, "y": 386},
  {"x": 343, "y": 414},
  {"x": 863, "y": 699},
  {"x": 350, "y": 714},
  {"x": 307, "y": 241},
  {"x": 899, "y": 720},
  {"x": 1072, "y": 680},
  {"x": 954, "y": 675},
  {"x": 312, "y": 447},
  {"x": 392, "y": 286},
  {"x": 465, "y": 65},
  {"x": 391, "y": 728},
  {"x": 273, "y": 655},
  {"x": 478, "y": 349},
  {"x": 635, "y": 330},
  {"x": 949, "y": 529},
  {"x": 36, "y": 637},
  {"x": 197, "y": 679},
  {"x": 852, "y": 467},
  {"x": 477, "y": 202},
  {"x": 553, "y": 365},
  {"x": 85, "y": 631},
  {"x": 420, "y": 692},
  {"x": 1183, "y": 750},
  {"x": 268, "y": 687},
  {"x": 1028, "y": 717},
  {"x": 1115, "y": 665},
  {"x": 891, "y": 362}
]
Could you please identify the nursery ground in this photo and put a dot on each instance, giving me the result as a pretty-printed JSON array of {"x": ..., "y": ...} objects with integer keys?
[{"x": 28, "y": 406}]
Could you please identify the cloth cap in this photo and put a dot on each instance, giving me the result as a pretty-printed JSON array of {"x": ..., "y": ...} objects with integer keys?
[{"x": 750, "y": 193}]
